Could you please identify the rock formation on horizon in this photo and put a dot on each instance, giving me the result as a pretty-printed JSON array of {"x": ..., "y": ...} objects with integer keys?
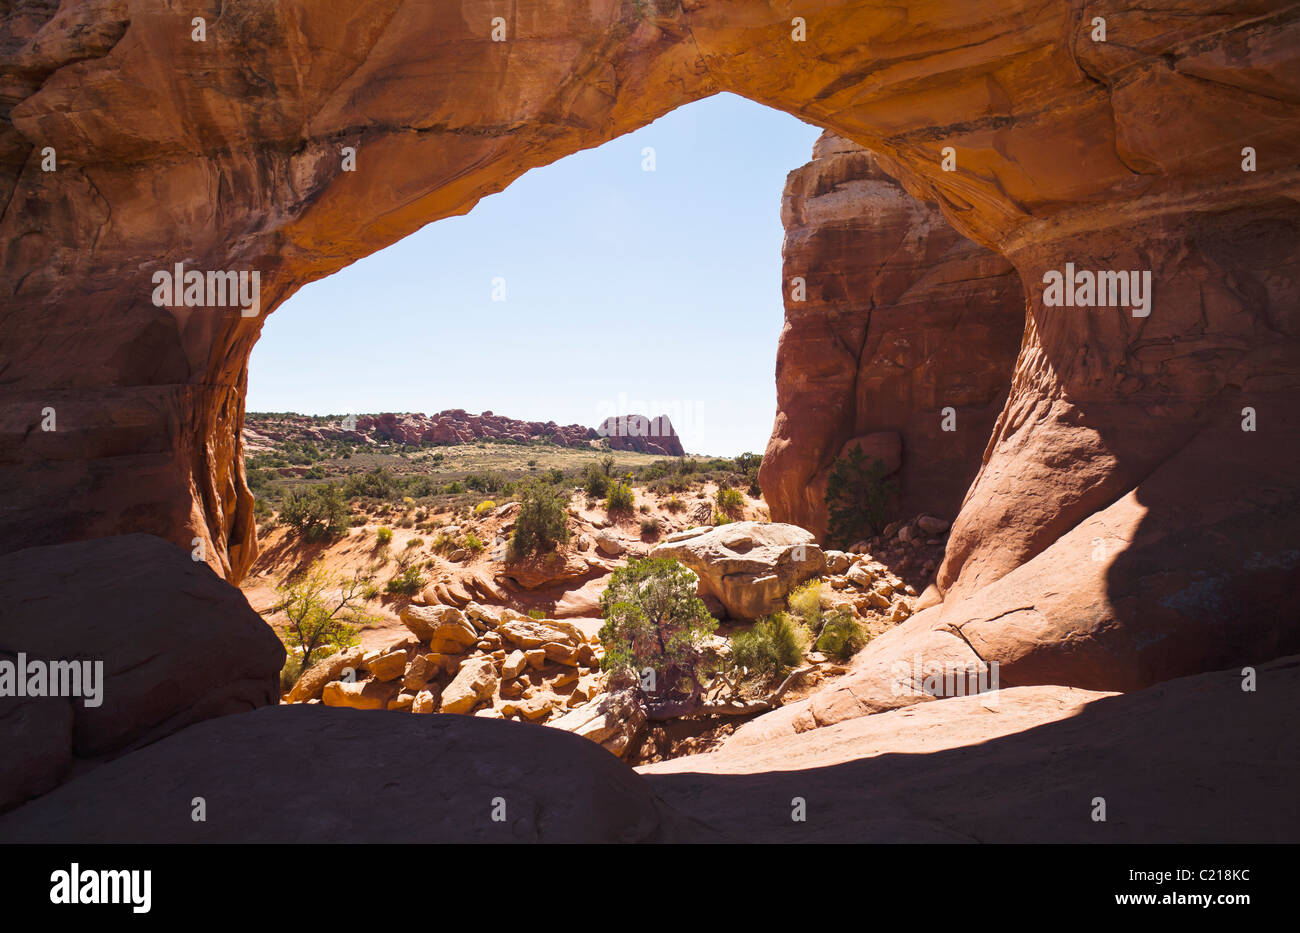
[{"x": 643, "y": 434}]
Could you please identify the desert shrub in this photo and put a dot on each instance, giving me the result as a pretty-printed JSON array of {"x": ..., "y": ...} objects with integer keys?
[
  {"x": 607, "y": 464},
  {"x": 595, "y": 481},
  {"x": 841, "y": 636},
  {"x": 414, "y": 543},
  {"x": 540, "y": 525},
  {"x": 620, "y": 498},
  {"x": 721, "y": 519},
  {"x": 805, "y": 604},
  {"x": 455, "y": 487},
  {"x": 649, "y": 527},
  {"x": 487, "y": 505},
  {"x": 406, "y": 523},
  {"x": 654, "y": 620},
  {"x": 674, "y": 504},
  {"x": 747, "y": 465},
  {"x": 472, "y": 542},
  {"x": 770, "y": 647},
  {"x": 318, "y": 513},
  {"x": 670, "y": 484},
  {"x": 444, "y": 542},
  {"x": 322, "y": 613},
  {"x": 731, "y": 502},
  {"x": 384, "y": 536},
  {"x": 536, "y": 614},
  {"x": 554, "y": 476},
  {"x": 491, "y": 481},
  {"x": 407, "y": 583},
  {"x": 376, "y": 484},
  {"x": 857, "y": 497}
]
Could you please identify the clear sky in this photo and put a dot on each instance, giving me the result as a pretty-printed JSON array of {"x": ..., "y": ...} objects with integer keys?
[{"x": 626, "y": 292}]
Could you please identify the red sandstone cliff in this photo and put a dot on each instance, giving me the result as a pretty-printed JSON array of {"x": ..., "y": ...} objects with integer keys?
[{"x": 902, "y": 327}]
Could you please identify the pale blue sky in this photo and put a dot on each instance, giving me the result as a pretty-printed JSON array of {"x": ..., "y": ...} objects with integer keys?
[{"x": 626, "y": 291}]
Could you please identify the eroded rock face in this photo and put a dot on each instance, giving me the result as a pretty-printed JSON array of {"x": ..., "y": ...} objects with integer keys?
[
  {"x": 899, "y": 317},
  {"x": 119, "y": 415}
]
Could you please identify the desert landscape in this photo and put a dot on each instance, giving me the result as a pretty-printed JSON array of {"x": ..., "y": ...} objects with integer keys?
[{"x": 1018, "y": 562}]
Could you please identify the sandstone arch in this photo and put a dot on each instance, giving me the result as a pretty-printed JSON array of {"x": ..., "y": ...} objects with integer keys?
[{"x": 1125, "y": 155}]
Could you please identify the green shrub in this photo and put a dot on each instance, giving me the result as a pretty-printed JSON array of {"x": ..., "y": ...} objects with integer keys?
[
  {"x": 674, "y": 504},
  {"x": 318, "y": 514},
  {"x": 540, "y": 525},
  {"x": 472, "y": 542},
  {"x": 731, "y": 502},
  {"x": 770, "y": 647},
  {"x": 322, "y": 614},
  {"x": 407, "y": 583},
  {"x": 595, "y": 481},
  {"x": 857, "y": 497},
  {"x": 841, "y": 636},
  {"x": 649, "y": 527},
  {"x": 805, "y": 604},
  {"x": 655, "y": 620},
  {"x": 620, "y": 498},
  {"x": 384, "y": 536}
]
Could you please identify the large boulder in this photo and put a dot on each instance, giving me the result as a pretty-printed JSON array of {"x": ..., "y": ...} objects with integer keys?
[
  {"x": 320, "y": 777},
  {"x": 749, "y": 567},
  {"x": 314, "y": 679},
  {"x": 614, "y": 721},
  {"x": 475, "y": 682},
  {"x": 531, "y": 633},
  {"x": 544, "y": 570},
  {"x": 444, "y": 628},
  {"x": 176, "y": 642}
]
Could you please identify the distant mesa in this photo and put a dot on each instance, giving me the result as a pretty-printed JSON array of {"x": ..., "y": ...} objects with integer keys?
[
  {"x": 642, "y": 434},
  {"x": 457, "y": 426}
]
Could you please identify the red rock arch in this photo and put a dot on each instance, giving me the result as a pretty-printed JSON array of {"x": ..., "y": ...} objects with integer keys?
[{"x": 225, "y": 154}]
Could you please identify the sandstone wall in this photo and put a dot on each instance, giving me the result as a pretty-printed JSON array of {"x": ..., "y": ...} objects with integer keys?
[{"x": 898, "y": 318}]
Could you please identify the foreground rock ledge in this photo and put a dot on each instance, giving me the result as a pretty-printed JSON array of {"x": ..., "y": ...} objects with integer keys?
[
  {"x": 315, "y": 774},
  {"x": 1192, "y": 760}
]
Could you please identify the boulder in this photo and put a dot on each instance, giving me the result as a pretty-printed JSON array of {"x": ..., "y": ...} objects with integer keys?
[
  {"x": 388, "y": 666},
  {"x": 444, "y": 628},
  {"x": 614, "y": 721},
  {"x": 609, "y": 543},
  {"x": 750, "y": 567},
  {"x": 331, "y": 667},
  {"x": 514, "y": 664},
  {"x": 360, "y": 695},
  {"x": 421, "y": 669},
  {"x": 426, "y": 701},
  {"x": 177, "y": 645},
  {"x": 531, "y": 633},
  {"x": 476, "y": 682},
  {"x": 544, "y": 570}
]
